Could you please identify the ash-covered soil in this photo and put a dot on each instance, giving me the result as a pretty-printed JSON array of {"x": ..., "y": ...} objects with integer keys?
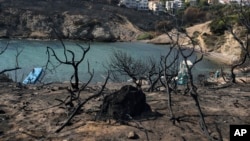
[{"x": 33, "y": 113}]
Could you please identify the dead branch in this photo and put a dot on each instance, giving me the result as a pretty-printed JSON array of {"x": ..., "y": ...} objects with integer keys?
[
  {"x": 80, "y": 105},
  {"x": 169, "y": 69},
  {"x": 18, "y": 53},
  {"x": 191, "y": 88},
  {"x": 154, "y": 74},
  {"x": 233, "y": 76},
  {"x": 7, "y": 70},
  {"x": 11, "y": 69},
  {"x": 4, "y": 49},
  {"x": 74, "y": 63},
  {"x": 125, "y": 65}
]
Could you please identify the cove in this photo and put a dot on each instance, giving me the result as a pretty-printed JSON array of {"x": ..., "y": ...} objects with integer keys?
[{"x": 34, "y": 55}]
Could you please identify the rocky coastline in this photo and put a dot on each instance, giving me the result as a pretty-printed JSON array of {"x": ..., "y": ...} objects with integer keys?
[
  {"x": 88, "y": 21},
  {"x": 84, "y": 20}
]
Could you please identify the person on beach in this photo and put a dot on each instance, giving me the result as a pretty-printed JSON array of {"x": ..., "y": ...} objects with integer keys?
[{"x": 217, "y": 74}]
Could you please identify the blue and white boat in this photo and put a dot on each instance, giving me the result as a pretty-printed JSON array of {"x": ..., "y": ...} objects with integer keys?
[{"x": 33, "y": 76}]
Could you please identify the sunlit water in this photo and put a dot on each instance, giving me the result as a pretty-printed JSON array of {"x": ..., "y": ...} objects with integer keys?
[{"x": 34, "y": 55}]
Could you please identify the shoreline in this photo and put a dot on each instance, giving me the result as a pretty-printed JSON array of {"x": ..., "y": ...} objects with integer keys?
[
  {"x": 213, "y": 56},
  {"x": 210, "y": 55}
]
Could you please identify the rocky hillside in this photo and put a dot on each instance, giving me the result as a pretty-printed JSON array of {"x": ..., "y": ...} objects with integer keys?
[
  {"x": 72, "y": 19},
  {"x": 223, "y": 48},
  {"x": 224, "y": 45}
]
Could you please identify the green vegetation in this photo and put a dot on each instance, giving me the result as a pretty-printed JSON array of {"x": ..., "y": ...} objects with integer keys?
[
  {"x": 145, "y": 36},
  {"x": 218, "y": 27},
  {"x": 226, "y": 16},
  {"x": 202, "y": 3}
]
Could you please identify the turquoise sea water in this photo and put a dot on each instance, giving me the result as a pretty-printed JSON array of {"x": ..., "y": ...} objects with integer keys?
[{"x": 34, "y": 55}]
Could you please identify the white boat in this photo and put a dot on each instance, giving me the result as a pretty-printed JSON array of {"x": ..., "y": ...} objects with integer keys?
[{"x": 33, "y": 76}]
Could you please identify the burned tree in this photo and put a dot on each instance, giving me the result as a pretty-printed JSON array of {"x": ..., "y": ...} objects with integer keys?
[
  {"x": 191, "y": 87},
  {"x": 121, "y": 63},
  {"x": 69, "y": 61},
  {"x": 73, "y": 102},
  {"x": 154, "y": 75},
  {"x": 181, "y": 40},
  {"x": 169, "y": 69}
]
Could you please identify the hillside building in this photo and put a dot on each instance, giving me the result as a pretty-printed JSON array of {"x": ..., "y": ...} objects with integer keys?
[
  {"x": 174, "y": 4},
  {"x": 155, "y": 6},
  {"x": 135, "y": 4}
]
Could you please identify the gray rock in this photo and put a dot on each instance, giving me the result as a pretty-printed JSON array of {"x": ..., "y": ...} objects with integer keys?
[
  {"x": 102, "y": 34},
  {"x": 3, "y": 33},
  {"x": 132, "y": 135},
  {"x": 55, "y": 88}
]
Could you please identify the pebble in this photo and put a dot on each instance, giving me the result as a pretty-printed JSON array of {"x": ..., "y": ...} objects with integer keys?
[
  {"x": 55, "y": 89},
  {"x": 35, "y": 93}
]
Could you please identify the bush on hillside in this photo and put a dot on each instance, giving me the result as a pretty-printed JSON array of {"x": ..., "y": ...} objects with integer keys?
[
  {"x": 218, "y": 27},
  {"x": 145, "y": 36},
  {"x": 203, "y": 3},
  {"x": 163, "y": 26}
]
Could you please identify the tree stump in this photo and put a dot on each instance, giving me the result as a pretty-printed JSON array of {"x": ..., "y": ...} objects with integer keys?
[{"x": 128, "y": 101}]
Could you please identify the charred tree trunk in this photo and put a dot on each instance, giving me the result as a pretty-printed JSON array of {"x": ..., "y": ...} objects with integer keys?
[{"x": 233, "y": 76}]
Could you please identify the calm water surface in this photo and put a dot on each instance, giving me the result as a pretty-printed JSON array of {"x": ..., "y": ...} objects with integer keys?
[{"x": 34, "y": 55}]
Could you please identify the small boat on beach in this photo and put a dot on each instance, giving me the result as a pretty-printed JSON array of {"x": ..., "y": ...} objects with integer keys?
[{"x": 33, "y": 76}]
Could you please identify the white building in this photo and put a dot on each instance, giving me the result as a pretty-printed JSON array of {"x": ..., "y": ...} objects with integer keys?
[
  {"x": 169, "y": 5},
  {"x": 240, "y": 2},
  {"x": 175, "y": 4},
  {"x": 136, "y": 4},
  {"x": 155, "y": 6}
]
